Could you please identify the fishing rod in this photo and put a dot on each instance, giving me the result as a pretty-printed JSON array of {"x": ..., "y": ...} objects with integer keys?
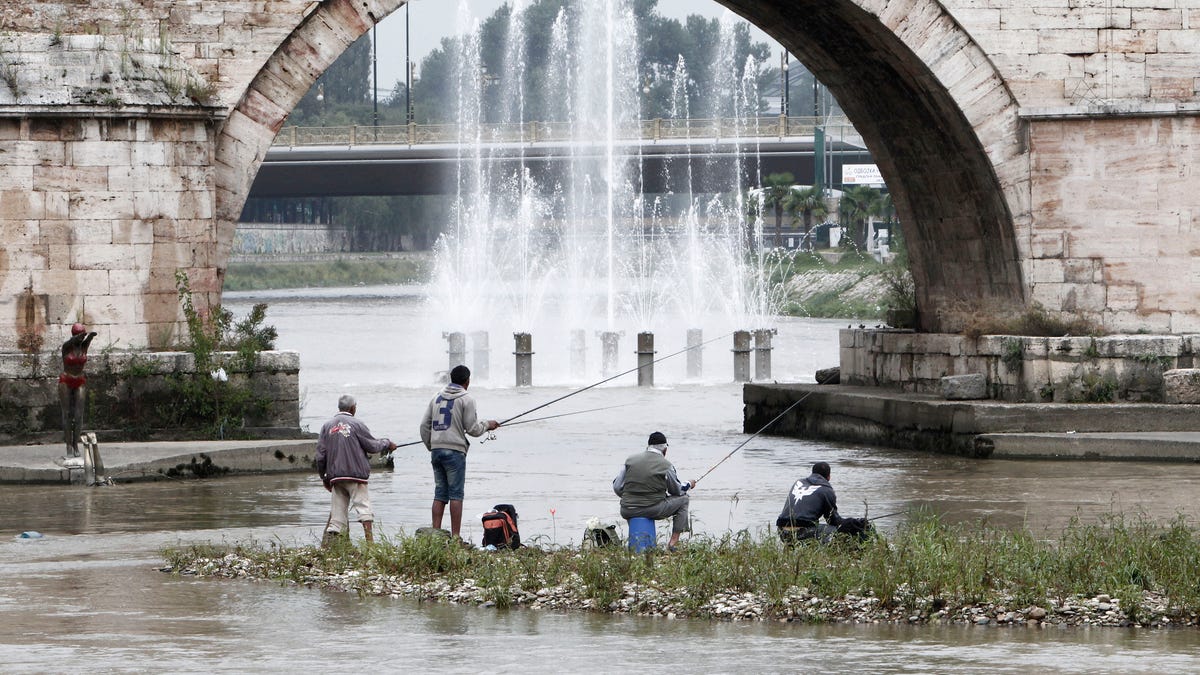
[
  {"x": 550, "y": 417},
  {"x": 610, "y": 379},
  {"x": 887, "y": 515},
  {"x": 755, "y": 434},
  {"x": 536, "y": 419}
]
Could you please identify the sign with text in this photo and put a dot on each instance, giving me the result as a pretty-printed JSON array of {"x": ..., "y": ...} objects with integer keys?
[{"x": 861, "y": 174}]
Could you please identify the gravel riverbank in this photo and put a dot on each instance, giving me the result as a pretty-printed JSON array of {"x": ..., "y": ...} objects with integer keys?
[{"x": 645, "y": 599}]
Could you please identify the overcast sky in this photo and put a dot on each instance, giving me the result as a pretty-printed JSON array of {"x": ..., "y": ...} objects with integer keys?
[{"x": 431, "y": 20}]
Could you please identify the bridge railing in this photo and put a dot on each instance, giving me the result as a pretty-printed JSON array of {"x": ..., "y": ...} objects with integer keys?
[{"x": 653, "y": 130}]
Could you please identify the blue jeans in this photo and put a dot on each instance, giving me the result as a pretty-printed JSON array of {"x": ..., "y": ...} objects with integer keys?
[{"x": 449, "y": 474}]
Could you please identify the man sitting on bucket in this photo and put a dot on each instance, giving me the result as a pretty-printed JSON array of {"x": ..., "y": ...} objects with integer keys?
[
  {"x": 649, "y": 488},
  {"x": 810, "y": 500}
]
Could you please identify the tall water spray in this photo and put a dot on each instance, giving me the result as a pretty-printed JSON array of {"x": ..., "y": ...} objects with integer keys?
[{"x": 584, "y": 250}]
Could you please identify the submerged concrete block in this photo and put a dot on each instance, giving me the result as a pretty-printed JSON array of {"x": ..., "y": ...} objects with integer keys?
[{"x": 964, "y": 387}]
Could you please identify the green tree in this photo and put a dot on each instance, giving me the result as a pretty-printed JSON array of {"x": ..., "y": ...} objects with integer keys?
[
  {"x": 859, "y": 205},
  {"x": 345, "y": 85},
  {"x": 806, "y": 205},
  {"x": 776, "y": 190}
]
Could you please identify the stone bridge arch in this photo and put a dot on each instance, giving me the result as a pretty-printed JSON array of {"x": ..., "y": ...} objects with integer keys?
[
  {"x": 943, "y": 127},
  {"x": 1037, "y": 152}
]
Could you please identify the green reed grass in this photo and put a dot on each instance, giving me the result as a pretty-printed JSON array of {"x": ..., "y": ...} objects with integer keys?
[{"x": 925, "y": 564}]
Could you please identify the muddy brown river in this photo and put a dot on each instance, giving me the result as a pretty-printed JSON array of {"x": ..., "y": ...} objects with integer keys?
[{"x": 88, "y": 596}]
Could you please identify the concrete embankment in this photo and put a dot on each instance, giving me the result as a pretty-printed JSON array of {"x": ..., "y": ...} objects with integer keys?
[
  {"x": 984, "y": 429},
  {"x": 125, "y": 462}
]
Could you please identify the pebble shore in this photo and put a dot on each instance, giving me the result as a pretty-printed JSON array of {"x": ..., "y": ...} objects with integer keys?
[{"x": 798, "y": 606}]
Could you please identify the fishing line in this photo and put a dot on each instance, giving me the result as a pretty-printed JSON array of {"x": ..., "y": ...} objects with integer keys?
[
  {"x": 610, "y": 379},
  {"x": 755, "y": 434},
  {"x": 550, "y": 417},
  {"x": 536, "y": 419},
  {"x": 510, "y": 421}
]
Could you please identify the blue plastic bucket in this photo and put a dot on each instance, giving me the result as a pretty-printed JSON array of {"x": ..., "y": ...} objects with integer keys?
[{"x": 641, "y": 534}]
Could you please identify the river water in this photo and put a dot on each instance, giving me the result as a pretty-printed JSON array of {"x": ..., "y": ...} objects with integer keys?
[{"x": 88, "y": 595}]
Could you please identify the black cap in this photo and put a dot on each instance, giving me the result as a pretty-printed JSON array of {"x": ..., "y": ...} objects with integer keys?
[{"x": 657, "y": 438}]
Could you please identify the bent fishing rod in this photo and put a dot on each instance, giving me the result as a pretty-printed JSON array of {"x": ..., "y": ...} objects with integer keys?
[
  {"x": 610, "y": 379},
  {"x": 755, "y": 435}
]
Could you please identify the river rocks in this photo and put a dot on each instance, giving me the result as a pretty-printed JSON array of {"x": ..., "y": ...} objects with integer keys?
[{"x": 795, "y": 605}]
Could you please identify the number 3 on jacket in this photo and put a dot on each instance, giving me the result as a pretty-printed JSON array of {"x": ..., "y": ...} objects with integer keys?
[{"x": 443, "y": 423}]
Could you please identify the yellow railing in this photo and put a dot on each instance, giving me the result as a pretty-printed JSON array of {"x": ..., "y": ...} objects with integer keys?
[{"x": 654, "y": 130}]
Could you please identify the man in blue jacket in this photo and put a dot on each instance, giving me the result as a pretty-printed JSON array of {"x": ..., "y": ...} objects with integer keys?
[
  {"x": 343, "y": 451},
  {"x": 810, "y": 500}
]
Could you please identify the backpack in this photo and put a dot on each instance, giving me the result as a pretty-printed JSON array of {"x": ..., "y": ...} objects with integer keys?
[
  {"x": 500, "y": 527},
  {"x": 600, "y": 536}
]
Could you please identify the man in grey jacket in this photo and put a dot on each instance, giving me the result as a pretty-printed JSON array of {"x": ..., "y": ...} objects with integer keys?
[
  {"x": 343, "y": 450},
  {"x": 649, "y": 488},
  {"x": 448, "y": 420}
]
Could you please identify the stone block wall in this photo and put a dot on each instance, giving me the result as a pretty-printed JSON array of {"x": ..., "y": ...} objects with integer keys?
[
  {"x": 129, "y": 395},
  {"x": 1018, "y": 368},
  {"x": 93, "y": 238}
]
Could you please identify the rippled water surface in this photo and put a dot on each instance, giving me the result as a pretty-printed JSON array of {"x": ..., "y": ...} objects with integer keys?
[{"x": 88, "y": 596}]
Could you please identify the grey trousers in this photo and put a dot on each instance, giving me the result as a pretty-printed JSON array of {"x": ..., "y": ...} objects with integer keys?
[{"x": 675, "y": 508}]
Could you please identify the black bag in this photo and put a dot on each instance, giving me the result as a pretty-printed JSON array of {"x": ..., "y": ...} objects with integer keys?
[
  {"x": 860, "y": 528},
  {"x": 500, "y": 527}
]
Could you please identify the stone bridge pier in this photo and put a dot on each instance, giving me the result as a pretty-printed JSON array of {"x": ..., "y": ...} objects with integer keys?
[{"x": 1038, "y": 151}]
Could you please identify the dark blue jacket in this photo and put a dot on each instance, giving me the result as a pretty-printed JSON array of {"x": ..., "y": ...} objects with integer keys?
[{"x": 810, "y": 500}]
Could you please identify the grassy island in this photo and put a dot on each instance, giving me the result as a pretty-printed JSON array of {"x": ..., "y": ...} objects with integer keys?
[{"x": 1112, "y": 573}]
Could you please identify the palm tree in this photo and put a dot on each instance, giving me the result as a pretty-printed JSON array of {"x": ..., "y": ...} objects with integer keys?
[
  {"x": 776, "y": 189},
  {"x": 859, "y": 205},
  {"x": 807, "y": 205}
]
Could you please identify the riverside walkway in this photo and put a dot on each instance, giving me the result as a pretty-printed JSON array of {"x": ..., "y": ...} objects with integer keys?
[{"x": 160, "y": 460}]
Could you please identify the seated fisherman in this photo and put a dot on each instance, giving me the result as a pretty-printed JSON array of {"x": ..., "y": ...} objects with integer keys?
[
  {"x": 649, "y": 488},
  {"x": 809, "y": 500}
]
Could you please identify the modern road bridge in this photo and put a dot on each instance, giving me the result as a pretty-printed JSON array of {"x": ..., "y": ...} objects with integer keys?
[{"x": 343, "y": 161}]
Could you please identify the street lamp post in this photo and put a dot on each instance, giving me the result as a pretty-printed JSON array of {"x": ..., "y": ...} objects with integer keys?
[
  {"x": 321, "y": 102},
  {"x": 375, "y": 79},
  {"x": 784, "y": 83},
  {"x": 408, "y": 111}
]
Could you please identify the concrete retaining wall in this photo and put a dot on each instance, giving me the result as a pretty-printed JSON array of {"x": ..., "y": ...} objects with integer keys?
[
  {"x": 1018, "y": 368},
  {"x": 928, "y": 423},
  {"x": 134, "y": 396}
]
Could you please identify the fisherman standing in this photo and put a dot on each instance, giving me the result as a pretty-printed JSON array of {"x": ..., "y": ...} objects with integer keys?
[
  {"x": 449, "y": 419},
  {"x": 809, "y": 500},
  {"x": 342, "y": 462},
  {"x": 650, "y": 488}
]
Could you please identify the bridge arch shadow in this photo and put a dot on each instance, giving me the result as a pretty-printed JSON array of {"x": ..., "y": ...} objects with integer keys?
[{"x": 936, "y": 115}]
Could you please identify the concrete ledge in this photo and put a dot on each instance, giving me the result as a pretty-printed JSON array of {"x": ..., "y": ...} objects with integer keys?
[
  {"x": 926, "y": 422},
  {"x": 1165, "y": 446},
  {"x": 127, "y": 462}
]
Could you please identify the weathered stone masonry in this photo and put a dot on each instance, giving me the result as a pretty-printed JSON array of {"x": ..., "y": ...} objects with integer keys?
[{"x": 1037, "y": 150}]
